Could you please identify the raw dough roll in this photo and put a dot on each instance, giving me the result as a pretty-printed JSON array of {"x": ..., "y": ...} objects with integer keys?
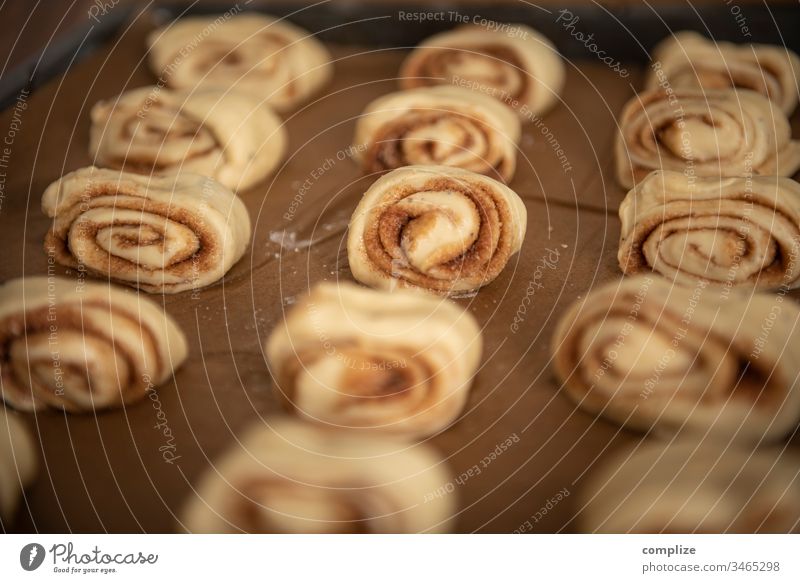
[
  {"x": 443, "y": 229},
  {"x": 690, "y": 487},
  {"x": 704, "y": 133},
  {"x": 158, "y": 233},
  {"x": 231, "y": 137},
  {"x": 445, "y": 126},
  {"x": 249, "y": 53},
  {"x": 81, "y": 346},
  {"x": 291, "y": 477},
  {"x": 656, "y": 356},
  {"x": 690, "y": 60},
  {"x": 734, "y": 232},
  {"x": 17, "y": 465},
  {"x": 355, "y": 358},
  {"x": 515, "y": 64}
]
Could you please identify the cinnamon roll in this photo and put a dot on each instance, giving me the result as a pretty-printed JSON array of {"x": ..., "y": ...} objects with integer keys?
[
  {"x": 355, "y": 358},
  {"x": 291, "y": 477},
  {"x": 231, "y": 137},
  {"x": 690, "y": 487},
  {"x": 158, "y": 233},
  {"x": 515, "y": 64},
  {"x": 249, "y": 53},
  {"x": 80, "y": 346},
  {"x": 689, "y": 60},
  {"x": 445, "y": 126},
  {"x": 17, "y": 464},
  {"x": 442, "y": 229},
  {"x": 734, "y": 232},
  {"x": 704, "y": 133},
  {"x": 651, "y": 355}
]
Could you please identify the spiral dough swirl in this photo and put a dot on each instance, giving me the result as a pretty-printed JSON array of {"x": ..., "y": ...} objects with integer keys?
[
  {"x": 690, "y": 487},
  {"x": 442, "y": 229},
  {"x": 704, "y": 133},
  {"x": 514, "y": 64},
  {"x": 445, "y": 126},
  {"x": 291, "y": 477},
  {"x": 737, "y": 232},
  {"x": 249, "y": 53},
  {"x": 654, "y": 356},
  {"x": 82, "y": 347},
  {"x": 688, "y": 60},
  {"x": 231, "y": 137},
  {"x": 356, "y": 358},
  {"x": 161, "y": 234}
]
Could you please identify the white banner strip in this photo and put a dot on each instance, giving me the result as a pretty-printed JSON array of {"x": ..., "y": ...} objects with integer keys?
[{"x": 406, "y": 559}]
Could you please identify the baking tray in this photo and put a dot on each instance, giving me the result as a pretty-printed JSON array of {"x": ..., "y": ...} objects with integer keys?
[{"x": 106, "y": 472}]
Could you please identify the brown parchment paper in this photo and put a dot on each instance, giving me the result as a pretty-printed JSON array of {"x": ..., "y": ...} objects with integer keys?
[{"x": 107, "y": 472}]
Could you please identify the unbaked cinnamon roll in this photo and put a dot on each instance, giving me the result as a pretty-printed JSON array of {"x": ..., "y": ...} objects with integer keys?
[
  {"x": 157, "y": 233},
  {"x": 249, "y": 53},
  {"x": 689, "y": 60},
  {"x": 231, "y": 137},
  {"x": 442, "y": 229},
  {"x": 691, "y": 487},
  {"x": 652, "y": 355},
  {"x": 395, "y": 362},
  {"x": 17, "y": 464},
  {"x": 292, "y": 477},
  {"x": 515, "y": 64},
  {"x": 80, "y": 346},
  {"x": 734, "y": 232},
  {"x": 446, "y": 126},
  {"x": 704, "y": 133}
]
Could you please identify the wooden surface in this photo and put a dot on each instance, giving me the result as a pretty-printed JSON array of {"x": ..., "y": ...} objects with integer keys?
[{"x": 106, "y": 473}]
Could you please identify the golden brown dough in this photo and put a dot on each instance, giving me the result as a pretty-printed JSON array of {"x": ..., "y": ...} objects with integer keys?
[
  {"x": 232, "y": 137},
  {"x": 652, "y": 355},
  {"x": 248, "y": 53},
  {"x": 690, "y": 60},
  {"x": 446, "y": 126},
  {"x": 292, "y": 477},
  {"x": 704, "y": 133},
  {"x": 81, "y": 346},
  {"x": 399, "y": 362},
  {"x": 516, "y": 65},
  {"x": 442, "y": 229},
  {"x": 158, "y": 233},
  {"x": 691, "y": 487},
  {"x": 734, "y": 232}
]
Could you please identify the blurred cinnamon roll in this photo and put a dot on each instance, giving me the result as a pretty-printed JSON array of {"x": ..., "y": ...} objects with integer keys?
[
  {"x": 356, "y": 358},
  {"x": 158, "y": 233},
  {"x": 690, "y": 60},
  {"x": 82, "y": 346},
  {"x": 655, "y": 356},
  {"x": 442, "y": 229},
  {"x": 690, "y": 487},
  {"x": 231, "y": 137},
  {"x": 704, "y": 133},
  {"x": 17, "y": 465},
  {"x": 445, "y": 126},
  {"x": 249, "y": 53},
  {"x": 514, "y": 64},
  {"x": 734, "y": 232},
  {"x": 291, "y": 477}
]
